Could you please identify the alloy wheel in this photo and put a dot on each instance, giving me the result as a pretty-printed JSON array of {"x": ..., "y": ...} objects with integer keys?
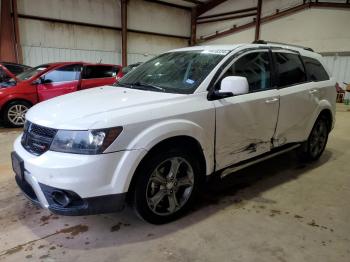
[
  {"x": 318, "y": 138},
  {"x": 16, "y": 114},
  {"x": 170, "y": 186}
]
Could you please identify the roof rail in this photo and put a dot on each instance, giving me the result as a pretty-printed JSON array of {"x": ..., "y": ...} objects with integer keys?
[{"x": 263, "y": 42}]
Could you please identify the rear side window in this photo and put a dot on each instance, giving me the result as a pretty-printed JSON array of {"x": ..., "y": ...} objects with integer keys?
[
  {"x": 314, "y": 70},
  {"x": 63, "y": 74},
  {"x": 100, "y": 71},
  {"x": 290, "y": 70}
]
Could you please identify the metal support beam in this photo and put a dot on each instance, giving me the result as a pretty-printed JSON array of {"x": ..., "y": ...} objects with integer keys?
[
  {"x": 196, "y": 2},
  {"x": 8, "y": 45},
  {"x": 169, "y": 4},
  {"x": 227, "y": 13},
  {"x": 275, "y": 16},
  {"x": 18, "y": 46},
  {"x": 68, "y": 22},
  {"x": 124, "y": 31},
  {"x": 258, "y": 20},
  {"x": 193, "y": 26},
  {"x": 226, "y": 18},
  {"x": 208, "y": 5}
]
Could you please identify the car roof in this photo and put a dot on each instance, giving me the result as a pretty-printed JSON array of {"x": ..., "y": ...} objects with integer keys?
[
  {"x": 301, "y": 50},
  {"x": 208, "y": 48},
  {"x": 245, "y": 45},
  {"x": 76, "y": 62},
  {"x": 11, "y": 63}
]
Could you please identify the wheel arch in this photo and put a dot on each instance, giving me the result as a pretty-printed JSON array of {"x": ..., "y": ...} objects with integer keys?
[
  {"x": 184, "y": 141},
  {"x": 325, "y": 109},
  {"x": 11, "y": 100},
  {"x": 327, "y": 113},
  {"x": 8, "y": 102}
]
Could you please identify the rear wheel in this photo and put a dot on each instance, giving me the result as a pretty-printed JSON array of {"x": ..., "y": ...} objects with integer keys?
[
  {"x": 166, "y": 186},
  {"x": 14, "y": 113},
  {"x": 313, "y": 148}
]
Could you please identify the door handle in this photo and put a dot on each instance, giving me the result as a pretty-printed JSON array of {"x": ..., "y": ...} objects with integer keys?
[
  {"x": 313, "y": 91},
  {"x": 272, "y": 100}
]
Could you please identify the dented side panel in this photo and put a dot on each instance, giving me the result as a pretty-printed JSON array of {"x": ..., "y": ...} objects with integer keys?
[{"x": 245, "y": 125}]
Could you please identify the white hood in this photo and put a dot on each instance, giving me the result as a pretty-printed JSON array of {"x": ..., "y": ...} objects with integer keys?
[{"x": 95, "y": 108}]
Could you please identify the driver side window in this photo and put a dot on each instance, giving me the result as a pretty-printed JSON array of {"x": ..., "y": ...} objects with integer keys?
[
  {"x": 63, "y": 74},
  {"x": 255, "y": 67}
]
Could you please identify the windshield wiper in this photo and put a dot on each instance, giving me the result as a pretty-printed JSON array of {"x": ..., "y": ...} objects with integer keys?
[
  {"x": 128, "y": 85},
  {"x": 154, "y": 87}
]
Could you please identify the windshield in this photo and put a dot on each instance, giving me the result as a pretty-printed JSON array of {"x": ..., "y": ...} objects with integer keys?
[
  {"x": 176, "y": 72},
  {"x": 31, "y": 72}
]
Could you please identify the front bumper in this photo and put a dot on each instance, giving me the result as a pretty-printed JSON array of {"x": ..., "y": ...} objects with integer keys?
[
  {"x": 77, "y": 206},
  {"x": 91, "y": 184}
]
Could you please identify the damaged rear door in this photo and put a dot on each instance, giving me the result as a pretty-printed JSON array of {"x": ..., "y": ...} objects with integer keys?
[{"x": 245, "y": 124}]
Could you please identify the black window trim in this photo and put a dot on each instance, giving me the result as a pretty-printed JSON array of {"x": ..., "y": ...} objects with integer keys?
[
  {"x": 213, "y": 85},
  {"x": 85, "y": 66},
  {"x": 306, "y": 74},
  {"x": 276, "y": 70}
]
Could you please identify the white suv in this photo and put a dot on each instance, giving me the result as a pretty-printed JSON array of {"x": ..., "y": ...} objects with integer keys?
[{"x": 171, "y": 123}]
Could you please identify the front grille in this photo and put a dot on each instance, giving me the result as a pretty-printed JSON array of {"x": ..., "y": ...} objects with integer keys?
[{"x": 37, "y": 139}]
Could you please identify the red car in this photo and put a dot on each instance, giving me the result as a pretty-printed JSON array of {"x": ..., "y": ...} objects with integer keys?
[{"x": 47, "y": 81}]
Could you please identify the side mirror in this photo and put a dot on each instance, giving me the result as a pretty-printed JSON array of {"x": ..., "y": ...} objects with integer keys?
[
  {"x": 37, "y": 81},
  {"x": 230, "y": 86},
  {"x": 237, "y": 85}
]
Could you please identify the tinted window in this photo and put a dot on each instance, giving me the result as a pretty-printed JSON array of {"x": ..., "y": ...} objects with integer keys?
[
  {"x": 100, "y": 71},
  {"x": 3, "y": 76},
  {"x": 255, "y": 67},
  {"x": 62, "y": 74},
  {"x": 314, "y": 70},
  {"x": 290, "y": 70},
  {"x": 15, "y": 69}
]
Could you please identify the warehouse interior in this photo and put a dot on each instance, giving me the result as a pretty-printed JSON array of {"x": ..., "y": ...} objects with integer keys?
[{"x": 277, "y": 210}]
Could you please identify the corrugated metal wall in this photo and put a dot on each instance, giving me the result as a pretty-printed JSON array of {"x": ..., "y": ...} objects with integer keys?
[
  {"x": 35, "y": 55},
  {"x": 44, "y": 41},
  {"x": 339, "y": 65}
]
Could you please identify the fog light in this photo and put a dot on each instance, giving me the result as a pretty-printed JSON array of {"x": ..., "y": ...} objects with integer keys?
[{"x": 61, "y": 198}]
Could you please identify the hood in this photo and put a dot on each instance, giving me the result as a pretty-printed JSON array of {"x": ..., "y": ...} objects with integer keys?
[{"x": 99, "y": 107}]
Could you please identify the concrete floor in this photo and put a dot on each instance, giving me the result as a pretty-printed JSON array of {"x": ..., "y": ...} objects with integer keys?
[{"x": 279, "y": 210}]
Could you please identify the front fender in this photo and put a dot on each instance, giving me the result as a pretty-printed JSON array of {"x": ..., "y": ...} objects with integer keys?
[{"x": 160, "y": 131}]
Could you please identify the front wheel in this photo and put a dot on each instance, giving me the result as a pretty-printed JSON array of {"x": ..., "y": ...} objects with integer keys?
[
  {"x": 166, "y": 186},
  {"x": 313, "y": 148},
  {"x": 14, "y": 113}
]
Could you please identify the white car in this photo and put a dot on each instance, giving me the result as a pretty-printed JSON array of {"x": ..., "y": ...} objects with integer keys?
[{"x": 171, "y": 123}]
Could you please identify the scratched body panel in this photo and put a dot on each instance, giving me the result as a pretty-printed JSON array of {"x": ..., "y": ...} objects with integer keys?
[{"x": 245, "y": 126}]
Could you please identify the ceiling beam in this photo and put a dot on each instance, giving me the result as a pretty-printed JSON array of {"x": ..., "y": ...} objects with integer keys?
[
  {"x": 228, "y": 13},
  {"x": 187, "y": 8},
  {"x": 227, "y": 18},
  {"x": 275, "y": 16},
  {"x": 197, "y": 2},
  {"x": 208, "y": 5}
]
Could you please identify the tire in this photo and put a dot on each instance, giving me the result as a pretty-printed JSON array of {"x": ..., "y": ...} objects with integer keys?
[
  {"x": 312, "y": 149},
  {"x": 14, "y": 113},
  {"x": 166, "y": 186}
]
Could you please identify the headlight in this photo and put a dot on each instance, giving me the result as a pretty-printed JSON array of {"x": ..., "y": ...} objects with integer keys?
[{"x": 89, "y": 142}]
